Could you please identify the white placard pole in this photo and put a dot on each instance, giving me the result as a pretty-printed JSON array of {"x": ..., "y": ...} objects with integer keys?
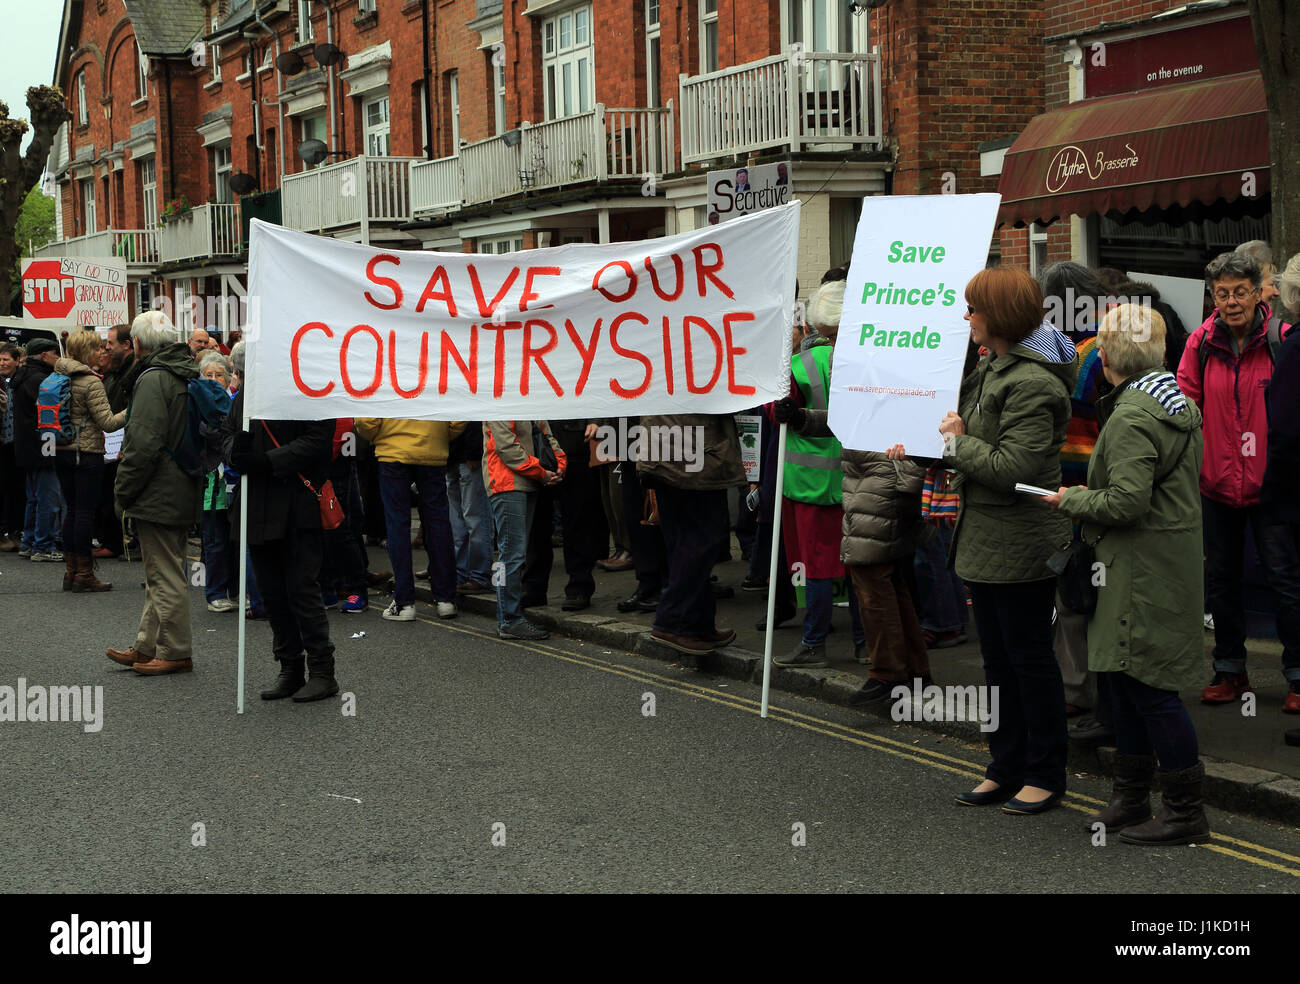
[{"x": 771, "y": 570}]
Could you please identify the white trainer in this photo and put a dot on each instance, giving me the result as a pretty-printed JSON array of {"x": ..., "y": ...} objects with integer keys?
[
  {"x": 222, "y": 605},
  {"x": 446, "y": 609},
  {"x": 400, "y": 613}
]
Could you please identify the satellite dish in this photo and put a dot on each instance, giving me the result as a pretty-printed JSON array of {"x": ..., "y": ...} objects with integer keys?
[
  {"x": 242, "y": 183},
  {"x": 290, "y": 63},
  {"x": 313, "y": 151},
  {"x": 327, "y": 54}
]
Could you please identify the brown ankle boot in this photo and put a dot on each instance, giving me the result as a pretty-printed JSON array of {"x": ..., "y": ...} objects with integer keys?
[
  {"x": 69, "y": 571},
  {"x": 1182, "y": 814},
  {"x": 86, "y": 580},
  {"x": 1130, "y": 796}
]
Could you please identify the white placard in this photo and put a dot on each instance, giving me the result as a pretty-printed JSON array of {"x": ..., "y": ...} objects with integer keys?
[
  {"x": 1184, "y": 295},
  {"x": 113, "y": 444},
  {"x": 902, "y": 338},
  {"x": 744, "y": 190},
  {"x": 69, "y": 291},
  {"x": 699, "y": 322},
  {"x": 749, "y": 430}
]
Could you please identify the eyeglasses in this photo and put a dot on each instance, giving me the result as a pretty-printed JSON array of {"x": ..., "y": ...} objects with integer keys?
[{"x": 1240, "y": 294}]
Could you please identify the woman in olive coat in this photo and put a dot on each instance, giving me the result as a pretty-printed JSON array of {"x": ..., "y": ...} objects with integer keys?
[
  {"x": 1014, "y": 409},
  {"x": 1142, "y": 509}
]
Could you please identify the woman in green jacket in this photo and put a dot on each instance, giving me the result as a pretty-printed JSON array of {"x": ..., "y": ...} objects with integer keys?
[
  {"x": 1142, "y": 509},
  {"x": 1014, "y": 409}
]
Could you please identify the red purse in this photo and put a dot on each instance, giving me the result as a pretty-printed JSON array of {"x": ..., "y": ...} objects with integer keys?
[{"x": 331, "y": 513}]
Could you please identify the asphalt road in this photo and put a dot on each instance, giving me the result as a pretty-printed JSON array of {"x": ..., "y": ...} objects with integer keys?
[{"x": 459, "y": 738}]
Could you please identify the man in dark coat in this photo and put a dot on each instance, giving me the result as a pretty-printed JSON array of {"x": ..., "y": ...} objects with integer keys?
[
  {"x": 284, "y": 541},
  {"x": 152, "y": 489},
  {"x": 34, "y": 456}
]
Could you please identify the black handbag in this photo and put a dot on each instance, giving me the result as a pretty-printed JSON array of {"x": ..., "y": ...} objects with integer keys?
[
  {"x": 1073, "y": 566},
  {"x": 1075, "y": 563},
  {"x": 542, "y": 449}
]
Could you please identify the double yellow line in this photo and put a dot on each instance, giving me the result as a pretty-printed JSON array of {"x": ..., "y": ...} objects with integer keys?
[{"x": 904, "y": 750}]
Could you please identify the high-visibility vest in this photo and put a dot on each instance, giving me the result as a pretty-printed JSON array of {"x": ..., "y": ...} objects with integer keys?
[{"x": 812, "y": 464}]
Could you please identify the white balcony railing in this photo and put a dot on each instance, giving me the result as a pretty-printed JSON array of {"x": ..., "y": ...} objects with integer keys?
[
  {"x": 435, "y": 185},
  {"x": 354, "y": 192},
  {"x": 204, "y": 231},
  {"x": 138, "y": 247},
  {"x": 801, "y": 100},
  {"x": 593, "y": 146}
]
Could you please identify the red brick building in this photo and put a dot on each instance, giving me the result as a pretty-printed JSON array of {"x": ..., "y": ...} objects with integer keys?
[
  {"x": 1151, "y": 150},
  {"x": 494, "y": 125}
]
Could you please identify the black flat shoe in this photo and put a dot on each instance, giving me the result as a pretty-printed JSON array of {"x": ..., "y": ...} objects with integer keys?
[
  {"x": 576, "y": 604},
  {"x": 999, "y": 795},
  {"x": 1021, "y": 808}
]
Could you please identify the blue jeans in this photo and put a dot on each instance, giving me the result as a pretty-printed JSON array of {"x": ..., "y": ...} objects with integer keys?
[
  {"x": 1279, "y": 555},
  {"x": 217, "y": 554},
  {"x": 395, "y": 481},
  {"x": 513, "y": 515},
  {"x": 471, "y": 524},
  {"x": 43, "y": 503},
  {"x": 941, "y": 594},
  {"x": 819, "y": 601}
]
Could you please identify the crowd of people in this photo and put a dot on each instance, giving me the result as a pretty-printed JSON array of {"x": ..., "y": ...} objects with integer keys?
[{"x": 1159, "y": 449}]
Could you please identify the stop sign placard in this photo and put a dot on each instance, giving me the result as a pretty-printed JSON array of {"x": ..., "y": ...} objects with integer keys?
[{"x": 47, "y": 292}]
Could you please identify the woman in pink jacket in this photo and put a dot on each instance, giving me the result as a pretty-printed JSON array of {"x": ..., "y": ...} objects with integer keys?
[{"x": 1226, "y": 369}]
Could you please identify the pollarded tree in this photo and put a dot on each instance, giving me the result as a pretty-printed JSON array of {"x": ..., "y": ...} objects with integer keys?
[{"x": 19, "y": 172}]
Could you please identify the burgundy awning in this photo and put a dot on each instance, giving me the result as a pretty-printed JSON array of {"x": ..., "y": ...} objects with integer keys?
[{"x": 1200, "y": 142}]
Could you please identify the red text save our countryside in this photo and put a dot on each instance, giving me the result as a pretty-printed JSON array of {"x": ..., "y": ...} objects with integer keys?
[{"x": 515, "y": 338}]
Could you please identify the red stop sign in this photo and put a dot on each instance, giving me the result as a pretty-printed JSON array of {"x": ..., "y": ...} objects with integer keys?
[{"x": 47, "y": 293}]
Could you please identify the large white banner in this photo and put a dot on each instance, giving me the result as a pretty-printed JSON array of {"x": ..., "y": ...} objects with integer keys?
[
  {"x": 902, "y": 338},
  {"x": 698, "y": 322}
]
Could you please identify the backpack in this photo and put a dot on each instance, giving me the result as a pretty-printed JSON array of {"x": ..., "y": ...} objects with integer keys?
[
  {"x": 207, "y": 403},
  {"x": 54, "y": 408},
  {"x": 1273, "y": 337}
]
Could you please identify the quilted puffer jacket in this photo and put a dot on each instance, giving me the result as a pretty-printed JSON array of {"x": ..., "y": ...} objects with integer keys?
[
  {"x": 882, "y": 501},
  {"x": 1015, "y": 408}
]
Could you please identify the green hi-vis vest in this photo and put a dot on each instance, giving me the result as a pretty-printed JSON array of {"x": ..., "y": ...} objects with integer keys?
[{"x": 812, "y": 464}]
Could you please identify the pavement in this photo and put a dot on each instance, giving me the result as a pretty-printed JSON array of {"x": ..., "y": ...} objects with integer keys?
[
  {"x": 456, "y": 761},
  {"x": 1249, "y": 767}
]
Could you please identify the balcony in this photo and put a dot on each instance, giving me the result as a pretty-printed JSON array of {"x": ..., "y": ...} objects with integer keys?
[
  {"x": 205, "y": 232},
  {"x": 139, "y": 247},
  {"x": 354, "y": 192},
  {"x": 803, "y": 100},
  {"x": 597, "y": 146}
]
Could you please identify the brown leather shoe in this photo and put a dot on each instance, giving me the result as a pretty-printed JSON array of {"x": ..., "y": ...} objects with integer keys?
[
  {"x": 127, "y": 657},
  {"x": 683, "y": 644},
  {"x": 158, "y": 667},
  {"x": 723, "y": 637},
  {"x": 69, "y": 571}
]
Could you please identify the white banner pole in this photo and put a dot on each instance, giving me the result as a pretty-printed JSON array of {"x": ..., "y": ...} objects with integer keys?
[
  {"x": 771, "y": 571},
  {"x": 243, "y": 583}
]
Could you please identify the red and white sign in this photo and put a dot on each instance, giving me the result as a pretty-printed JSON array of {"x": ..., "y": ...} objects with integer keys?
[
  {"x": 74, "y": 291},
  {"x": 698, "y": 322}
]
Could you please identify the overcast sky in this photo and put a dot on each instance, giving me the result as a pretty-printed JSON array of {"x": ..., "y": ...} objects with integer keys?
[{"x": 29, "y": 37}]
